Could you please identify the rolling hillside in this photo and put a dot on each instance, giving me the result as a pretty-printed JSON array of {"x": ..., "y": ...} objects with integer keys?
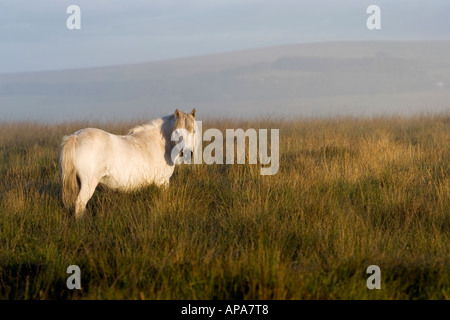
[{"x": 301, "y": 80}]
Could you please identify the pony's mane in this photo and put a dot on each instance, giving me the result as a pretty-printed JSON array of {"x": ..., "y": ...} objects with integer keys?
[{"x": 151, "y": 125}]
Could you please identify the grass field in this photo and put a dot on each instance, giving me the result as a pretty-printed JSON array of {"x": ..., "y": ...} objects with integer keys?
[{"x": 349, "y": 193}]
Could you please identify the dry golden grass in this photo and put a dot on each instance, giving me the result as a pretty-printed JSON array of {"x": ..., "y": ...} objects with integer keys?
[{"x": 349, "y": 193}]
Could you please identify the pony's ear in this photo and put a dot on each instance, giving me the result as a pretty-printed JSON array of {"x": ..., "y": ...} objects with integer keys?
[
  {"x": 193, "y": 112},
  {"x": 177, "y": 114}
]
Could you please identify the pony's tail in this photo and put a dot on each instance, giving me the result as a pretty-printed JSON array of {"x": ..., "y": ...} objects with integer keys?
[{"x": 69, "y": 183}]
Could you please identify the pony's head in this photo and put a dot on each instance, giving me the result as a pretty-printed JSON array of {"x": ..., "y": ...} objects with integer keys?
[{"x": 183, "y": 135}]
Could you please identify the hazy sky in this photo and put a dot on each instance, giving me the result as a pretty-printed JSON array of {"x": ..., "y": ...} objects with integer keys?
[{"x": 34, "y": 36}]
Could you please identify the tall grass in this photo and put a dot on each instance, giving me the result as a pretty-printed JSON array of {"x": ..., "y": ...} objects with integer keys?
[{"x": 349, "y": 193}]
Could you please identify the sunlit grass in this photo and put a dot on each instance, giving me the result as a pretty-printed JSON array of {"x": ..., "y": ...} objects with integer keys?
[{"x": 349, "y": 193}]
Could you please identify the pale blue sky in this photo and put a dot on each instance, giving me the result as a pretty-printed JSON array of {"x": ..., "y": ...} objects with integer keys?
[{"x": 33, "y": 34}]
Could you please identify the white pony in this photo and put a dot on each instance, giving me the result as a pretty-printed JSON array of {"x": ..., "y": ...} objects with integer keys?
[{"x": 144, "y": 156}]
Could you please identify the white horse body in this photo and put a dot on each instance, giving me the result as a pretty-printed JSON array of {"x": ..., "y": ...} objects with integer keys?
[
  {"x": 92, "y": 156},
  {"x": 124, "y": 162}
]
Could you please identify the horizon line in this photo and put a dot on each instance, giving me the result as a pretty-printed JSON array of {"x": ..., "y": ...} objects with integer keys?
[{"x": 215, "y": 54}]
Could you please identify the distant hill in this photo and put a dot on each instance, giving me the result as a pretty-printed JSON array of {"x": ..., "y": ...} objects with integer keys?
[{"x": 341, "y": 78}]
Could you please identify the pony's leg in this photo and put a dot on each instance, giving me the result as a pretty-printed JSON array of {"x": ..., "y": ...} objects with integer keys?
[{"x": 86, "y": 191}]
